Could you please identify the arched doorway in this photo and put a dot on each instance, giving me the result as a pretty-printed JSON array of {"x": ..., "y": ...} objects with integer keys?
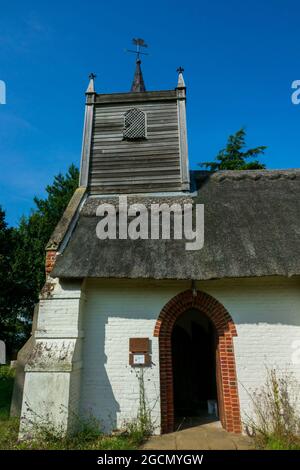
[
  {"x": 193, "y": 342},
  {"x": 225, "y": 371}
]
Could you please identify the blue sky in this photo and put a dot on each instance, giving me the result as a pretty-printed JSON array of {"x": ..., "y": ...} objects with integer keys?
[{"x": 240, "y": 59}]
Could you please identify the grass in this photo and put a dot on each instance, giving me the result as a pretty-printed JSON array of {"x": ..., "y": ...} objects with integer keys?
[
  {"x": 275, "y": 443},
  {"x": 89, "y": 437},
  {"x": 82, "y": 441}
]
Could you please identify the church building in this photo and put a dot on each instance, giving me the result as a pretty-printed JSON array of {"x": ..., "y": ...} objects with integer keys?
[{"x": 199, "y": 326}]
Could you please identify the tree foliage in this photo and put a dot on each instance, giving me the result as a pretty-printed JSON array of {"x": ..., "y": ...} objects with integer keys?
[
  {"x": 8, "y": 321},
  {"x": 34, "y": 231},
  {"x": 234, "y": 156},
  {"x": 24, "y": 256}
]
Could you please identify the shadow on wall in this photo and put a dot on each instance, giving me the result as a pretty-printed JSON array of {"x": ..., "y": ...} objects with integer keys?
[{"x": 97, "y": 395}]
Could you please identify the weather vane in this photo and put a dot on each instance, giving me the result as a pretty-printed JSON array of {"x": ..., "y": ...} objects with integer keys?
[{"x": 138, "y": 42}]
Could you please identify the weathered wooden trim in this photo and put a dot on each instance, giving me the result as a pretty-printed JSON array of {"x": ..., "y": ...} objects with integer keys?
[
  {"x": 114, "y": 109},
  {"x": 128, "y": 154},
  {"x": 87, "y": 139},
  {"x": 136, "y": 97},
  {"x": 64, "y": 227},
  {"x": 183, "y": 146},
  {"x": 117, "y": 173},
  {"x": 158, "y": 187},
  {"x": 132, "y": 180}
]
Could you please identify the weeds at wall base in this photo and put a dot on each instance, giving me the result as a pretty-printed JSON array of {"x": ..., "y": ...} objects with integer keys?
[
  {"x": 83, "y": 440},
  {"x": 88, "y": 435},
  {"x": 274, "y": 423}
]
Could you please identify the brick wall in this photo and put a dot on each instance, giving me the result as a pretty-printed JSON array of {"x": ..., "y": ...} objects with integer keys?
[
  {"x": 50, "y": 260},
  {"x": 226, "y": 370}
]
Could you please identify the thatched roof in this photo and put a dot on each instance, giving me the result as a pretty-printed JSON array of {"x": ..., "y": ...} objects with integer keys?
[{"x": 252, "y": 228}]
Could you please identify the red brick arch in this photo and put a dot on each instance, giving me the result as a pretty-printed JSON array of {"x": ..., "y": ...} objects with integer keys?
[{"x": 226, "y": 372}]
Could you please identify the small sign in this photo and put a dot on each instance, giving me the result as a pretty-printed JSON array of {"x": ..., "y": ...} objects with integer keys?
[
  {"x": 139, "y": 359},
  {"x": 139, "y": 345},
  {"x": 139, "y": 354}
]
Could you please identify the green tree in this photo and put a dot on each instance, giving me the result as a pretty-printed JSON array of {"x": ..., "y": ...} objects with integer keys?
[
  {"x": 8, "y": 321},
  {"x": 234, "y": 157},
  {"x": 34, "y": 231},
  {"x": 27, "y": 260}
]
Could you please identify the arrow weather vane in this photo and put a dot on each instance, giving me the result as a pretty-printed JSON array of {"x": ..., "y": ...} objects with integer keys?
[{"x": 138, "y": 42}]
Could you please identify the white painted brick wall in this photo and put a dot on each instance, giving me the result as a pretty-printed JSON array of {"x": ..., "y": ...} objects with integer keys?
[
  {"x": 266, "y": 312},
  {"x": 52, "y": 382},
  {"x": 267, "y": 316},
  {"x": 45, "y": 402},
  {"x": 58, "y": 314}
]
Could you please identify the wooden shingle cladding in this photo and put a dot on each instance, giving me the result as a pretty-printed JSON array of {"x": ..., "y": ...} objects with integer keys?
[{"x": 150, "y": 165}]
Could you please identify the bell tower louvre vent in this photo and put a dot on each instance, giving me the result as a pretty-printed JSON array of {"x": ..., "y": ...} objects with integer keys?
[{"x": 135, "y": 126}]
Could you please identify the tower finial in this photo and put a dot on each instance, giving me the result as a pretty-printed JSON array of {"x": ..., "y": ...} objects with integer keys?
[
  {"x": 138, "y": 84},
  {"x": 91, "y": 87},
  {"x": 180, "y": 83}
]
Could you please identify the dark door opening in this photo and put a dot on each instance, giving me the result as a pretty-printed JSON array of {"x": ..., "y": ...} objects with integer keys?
[{"x": 194, "y": 369}]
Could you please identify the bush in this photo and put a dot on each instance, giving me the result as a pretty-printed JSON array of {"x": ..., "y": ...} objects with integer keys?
[
  {"x": 275, "y": 423},
  {"x": 6, "y": 387}
]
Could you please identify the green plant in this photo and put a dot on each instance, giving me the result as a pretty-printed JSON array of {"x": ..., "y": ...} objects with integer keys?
[
  {"x": 144, "y": 412},
  {"x": 88, "y": 433},
  {"x": 46, "y": 437},
  {"x": 141, "y": 427},
  {"x": 83, "y": 440},
  {"x": 275, "y": 422},
  {"x": 42, "y": 426},
  {"x": 6, "y": 387}
]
